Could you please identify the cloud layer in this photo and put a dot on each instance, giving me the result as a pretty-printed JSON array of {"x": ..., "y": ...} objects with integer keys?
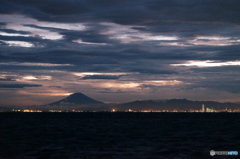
[{"x": 116, "y": 50}]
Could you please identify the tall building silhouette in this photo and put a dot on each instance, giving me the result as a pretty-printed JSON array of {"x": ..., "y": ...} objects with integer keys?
[{"x": 203, "y": 108}]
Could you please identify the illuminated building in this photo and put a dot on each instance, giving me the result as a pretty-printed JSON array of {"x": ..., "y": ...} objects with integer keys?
[
  {"x": 209, "y": 110},
  {"x": 59, "y": 111},
  {"x": 27, "y": 110},
  {"x": 129, "y": 110},
  {"x": 203, "y": 108},
  {"x": 16, "y": 110}
]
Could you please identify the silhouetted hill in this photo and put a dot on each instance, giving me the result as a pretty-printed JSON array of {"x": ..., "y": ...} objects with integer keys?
[
  {"x": 76, "y": 99},
  {"x": 179, "y": 104}
]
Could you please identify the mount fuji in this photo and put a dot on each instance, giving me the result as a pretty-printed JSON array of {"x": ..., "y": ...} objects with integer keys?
[{"x": 76, "y": 99}]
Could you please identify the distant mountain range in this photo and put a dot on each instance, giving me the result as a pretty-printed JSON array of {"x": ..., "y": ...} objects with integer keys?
[
  {"x": 80, "y": 100},
  {"x": 178, "y": 104}
]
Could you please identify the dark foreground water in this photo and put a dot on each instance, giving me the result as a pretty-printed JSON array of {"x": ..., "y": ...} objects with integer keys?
[{"x": 117, "y": 135}]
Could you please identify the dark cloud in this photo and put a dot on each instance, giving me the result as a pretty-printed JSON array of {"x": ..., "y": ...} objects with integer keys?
[
  {"x": 198, "y": 10},
  {"x": 106, "y": 77},
  {"x": 54, "y": 7},
  {"x": 7, "y": 79},
  {"x": 55, "y": 87},
  {"x": 86, "y": 36},
  {"x": 231, "y": 86},
  {"x": 92, "y": 34},
  {"x": 153, "y": 87},
  {"x": 14, "y": 31},
  {"x": 227, "y": 70},
  {"x": 19, "y": 85},
  {"x": 229, "y": 53},
  {"x": 128, "y": 12},
  {"x": 149, "y": 70},
  {"x": 21, "y": 38},
  {"x": 110, "y": 92},
  {"x": 109, "y": 3},
  {"x": 2, "y": 25}
]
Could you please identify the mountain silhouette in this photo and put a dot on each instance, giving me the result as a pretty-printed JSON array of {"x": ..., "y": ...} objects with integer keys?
[
  {"x": 171, "y": 104},
  {"x": 76, "y": 99}
]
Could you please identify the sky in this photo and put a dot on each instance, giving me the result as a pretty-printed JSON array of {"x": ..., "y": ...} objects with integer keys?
[{"x": 119, "y": 50}]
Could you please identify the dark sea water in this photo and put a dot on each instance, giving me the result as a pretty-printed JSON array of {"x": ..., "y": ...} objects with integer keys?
[{"x": 118, "y": 135}]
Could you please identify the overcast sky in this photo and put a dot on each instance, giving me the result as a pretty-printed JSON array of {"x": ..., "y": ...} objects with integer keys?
[{"x": 119, "y": 50}]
